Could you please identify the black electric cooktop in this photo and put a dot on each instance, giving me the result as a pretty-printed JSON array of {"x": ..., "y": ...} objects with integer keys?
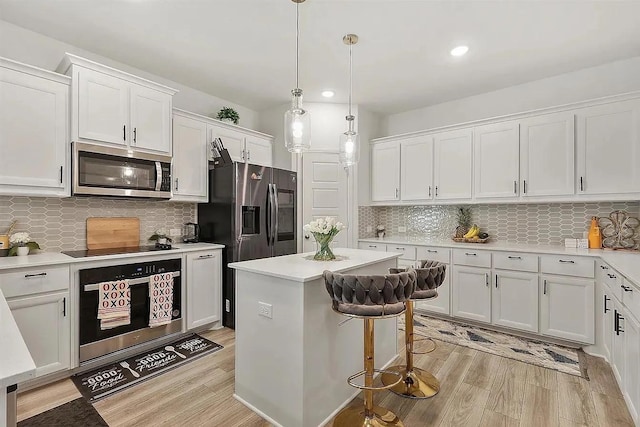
[{"x": 115, "y": 251}]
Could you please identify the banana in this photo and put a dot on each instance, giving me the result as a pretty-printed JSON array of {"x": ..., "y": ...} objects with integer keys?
[{"x": 474, "y": 231}]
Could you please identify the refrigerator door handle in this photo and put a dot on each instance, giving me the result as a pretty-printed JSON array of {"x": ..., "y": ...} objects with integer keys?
[
  {"x": 271, "y": 210},
  {"x": 275, "y": 213}
]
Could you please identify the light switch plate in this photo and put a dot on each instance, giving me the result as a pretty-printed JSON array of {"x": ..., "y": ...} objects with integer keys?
[
  {"x": 175, "y": 232},
  {"x": 265, "y": 310},
  {"x": 369, "y": 229},
  {"x": 402, "y": 229}
]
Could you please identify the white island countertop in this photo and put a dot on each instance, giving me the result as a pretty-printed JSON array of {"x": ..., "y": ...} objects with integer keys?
[
  {"x": 302, "y": 268},
  {"x": 16, "y": 364}
]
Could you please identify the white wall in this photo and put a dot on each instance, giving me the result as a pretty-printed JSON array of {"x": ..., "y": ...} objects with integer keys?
[
  {"x": 608, "y": 79},
  {"x": 32, "y": 48},
  {"x": 369, "y": 127}
]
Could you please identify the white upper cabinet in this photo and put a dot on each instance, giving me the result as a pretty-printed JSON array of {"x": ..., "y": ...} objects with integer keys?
[
  {"x": 385, "y": 171},
  {"x": 150, "y": 119},
  {"x": 547, "y": 147},
  {"x": 258, "y": 151},
  {"x": 190, "y": 168},
  {"x": 608, "y": 144},
  {"x": 103, "y": 107},
  {"x": 453, "y": 160},
  {"x": 109, "y": 106},
  {"x": 496, "y": 160},
  {"x": 34, "y": 114},
  {"x": 232, "y": 140},
  {"x": 416, "y": 168}
]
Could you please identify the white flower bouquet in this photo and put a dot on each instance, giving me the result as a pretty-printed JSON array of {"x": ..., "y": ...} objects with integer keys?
[
  {"x": 21, "y": 240},
  {"x": 324, "y": 230},
  {"x": 380, "y": 231}
]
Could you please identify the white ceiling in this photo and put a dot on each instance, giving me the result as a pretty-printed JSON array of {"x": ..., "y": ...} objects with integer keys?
[{"x": 243, "y": 50}]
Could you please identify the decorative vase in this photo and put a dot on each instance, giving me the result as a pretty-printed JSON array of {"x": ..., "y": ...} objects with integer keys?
[
  {"x": 323, "y": 250},
  {"x": 22, "y": 250},
  {"x": 226, "y": 120}
]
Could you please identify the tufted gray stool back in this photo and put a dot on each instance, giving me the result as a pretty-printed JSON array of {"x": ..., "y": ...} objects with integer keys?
[
  {"x": 429, "y": 277},
  {"x": 364, "y": 295}
]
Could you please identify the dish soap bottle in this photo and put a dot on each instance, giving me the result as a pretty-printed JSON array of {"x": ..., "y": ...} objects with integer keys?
[{"x": 595, "y": 238}]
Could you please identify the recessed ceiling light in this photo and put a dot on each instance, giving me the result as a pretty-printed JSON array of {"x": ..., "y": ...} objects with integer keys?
[
  {"x": 328, "y": 93},
  {"x": 459, "y": 50}
]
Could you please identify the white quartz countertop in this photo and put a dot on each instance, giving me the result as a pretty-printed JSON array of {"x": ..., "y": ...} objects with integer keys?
[
  {"x": 301, "y": 268},
  {"x": 16, "y": 364},
  {"x": 55, "y": 258},
  {"x": 626, "y": 263}
]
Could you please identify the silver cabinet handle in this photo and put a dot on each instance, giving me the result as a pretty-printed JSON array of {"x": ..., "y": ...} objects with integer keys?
[
  {"x": 373, "y": 246},
  {"x": 431, "y": 251},
  {"x": 514, "y": 257},
  {"x": 400, "y": 249},
  {"x": 436, "y": 191},
  {"x": 135, "y": 135},
  {"x": 205, "y": 256},
  {"x": 544, "y": 287},
  {"x": 396, "y": 193},
  {"x": 515, "y": 187},
  {"x": 470, "y": 254},
  {"x": 486, "y": 279},
  {"x": 606, "y": 309},
  {"x": 176, "y": 184},
  {"x": 30, "y": 276},
  {"x": 566, "y": 261},
  {"x": 248, "y": 154},
  {"x": 429, "y": 191}
]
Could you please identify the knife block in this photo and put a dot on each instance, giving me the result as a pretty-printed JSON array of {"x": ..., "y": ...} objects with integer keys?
[{"x": 224, "y": 159}]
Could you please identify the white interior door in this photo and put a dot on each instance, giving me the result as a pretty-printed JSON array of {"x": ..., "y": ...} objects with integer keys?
[{"x": 325, "y": 186}]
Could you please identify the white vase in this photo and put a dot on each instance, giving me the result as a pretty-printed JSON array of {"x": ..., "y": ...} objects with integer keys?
[
  {"x": 23, "y": 250},
  {"x": 225, "y": 120},
  {"x": 162, "y": 240}
]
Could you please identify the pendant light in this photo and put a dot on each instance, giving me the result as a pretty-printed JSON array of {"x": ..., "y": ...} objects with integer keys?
[
  {"x": 350, "y": 140},
  {"x": 297, "y": 121}
]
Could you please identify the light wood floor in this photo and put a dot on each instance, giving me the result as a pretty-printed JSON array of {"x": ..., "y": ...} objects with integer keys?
[{"x": 478, "y": 389}]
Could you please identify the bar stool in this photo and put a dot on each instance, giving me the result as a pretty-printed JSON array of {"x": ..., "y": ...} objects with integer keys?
[
  {"x": 369, "y": 298},
  {"x": 417, "y": 383}
]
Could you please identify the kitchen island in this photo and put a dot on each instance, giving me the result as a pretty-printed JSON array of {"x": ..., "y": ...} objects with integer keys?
[{"x": 293, "y": 352}]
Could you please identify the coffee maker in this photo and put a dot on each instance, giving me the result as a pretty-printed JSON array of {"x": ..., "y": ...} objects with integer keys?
[{"x": 190, "y": 232}]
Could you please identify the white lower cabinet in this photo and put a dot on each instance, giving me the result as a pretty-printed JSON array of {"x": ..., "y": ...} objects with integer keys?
[
  {"x": 204, "y": 288},
  {"x": 631, "y": 378},
  {"x": 515, "y": 300},
  {"x": 617, "y": 343},
  {"x": 471, "y": 293},
  {"x": 44, "y": 326},
  {"x": 440, "y": 304},
  {"x": 606, "y": 321},
  {"x": 567, "y": 308}
]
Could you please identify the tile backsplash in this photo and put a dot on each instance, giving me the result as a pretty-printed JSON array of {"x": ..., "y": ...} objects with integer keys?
[
  {"x": 60, "y": 224},
  {"x": 542, "y": 224}
]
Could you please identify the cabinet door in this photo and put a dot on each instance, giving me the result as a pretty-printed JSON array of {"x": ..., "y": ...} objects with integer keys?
[
  {"x": 190, "y": 168},
  {"x": 567, "y": 308},
  {"x": 617, "y": 343},
  {"x": 632, "y": 365},
  {"x": 496, "y": 160},
  {"x": 416, "y": 169},
  {"x": 258, "y": 151},
  {"x": 515, "y": 300},
  {"x": 44, "y": 325},
  {"x": 471, "y": 293},
  {"x": 33, "y": 141},
  {"x": 605, "y": 314},
  {"x": 103, "y": 107},
  {"x": 150, "y": 119},
  {"x": 453, "y": 164},
  {"x": 204, "y": 288},
  {"x": 441, "y": 303},
  {"x": 608, "y": 144},
  {"x": 232, "y": 140},
  {"x": 547, "y": 155},
  {"x": 385, "y": 171}
]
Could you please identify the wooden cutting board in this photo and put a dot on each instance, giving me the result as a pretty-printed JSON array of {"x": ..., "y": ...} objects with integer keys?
[{"x": 108, "y": 233}]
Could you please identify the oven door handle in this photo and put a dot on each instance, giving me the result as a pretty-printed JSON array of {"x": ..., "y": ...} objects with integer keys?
[
  {"x": 158, "y": 176},
  {"x": 132, "y": 282}
]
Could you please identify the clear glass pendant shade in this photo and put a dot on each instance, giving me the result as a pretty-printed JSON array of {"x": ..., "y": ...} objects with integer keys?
[
  {"x": 297, "y": 125},
  {"x": 349, "y": 148}
]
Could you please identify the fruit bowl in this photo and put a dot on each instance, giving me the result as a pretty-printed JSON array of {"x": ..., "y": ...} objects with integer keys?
[{"x": 470, "y": 239}]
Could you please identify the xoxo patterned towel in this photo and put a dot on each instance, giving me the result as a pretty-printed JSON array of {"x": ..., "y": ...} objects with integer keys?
[
  {"x": 161, "y": 298},
  {"x": 114, "y": 304}
]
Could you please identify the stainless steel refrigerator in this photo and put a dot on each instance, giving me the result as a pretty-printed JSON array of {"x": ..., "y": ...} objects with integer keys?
[{"x": 252, "y": 211}]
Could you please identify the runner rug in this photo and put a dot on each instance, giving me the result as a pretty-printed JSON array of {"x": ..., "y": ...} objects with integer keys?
[
  {"x": 102, "y": 382},
  {"x": 564, "y": 359}
]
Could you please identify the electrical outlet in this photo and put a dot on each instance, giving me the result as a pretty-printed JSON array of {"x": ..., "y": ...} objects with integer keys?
[
  {"x": 175, "y": 232},
  {"x": 265, "y": 310},
  {"x": 402, "y": 229},
  {"x": 369, "y": 229},
  {"x": 227, "y": 305}
]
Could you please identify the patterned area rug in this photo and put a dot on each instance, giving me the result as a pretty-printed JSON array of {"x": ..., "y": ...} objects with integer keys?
[
  {"x": 77, "y": 413},
  {"x": 559, "y": 358}
]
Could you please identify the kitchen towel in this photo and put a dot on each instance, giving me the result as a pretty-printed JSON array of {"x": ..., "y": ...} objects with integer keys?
[
  {"x": 161, "y": 298},
  {"x": 114, "y": 304}
]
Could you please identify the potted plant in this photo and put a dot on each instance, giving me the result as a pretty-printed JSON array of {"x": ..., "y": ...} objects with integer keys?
[
  {"x": 324, "y": 230},
  {"x": 21, "y": 244},
  {"x": 228, "y": 114},
  {"x": 160, "y": 237}
]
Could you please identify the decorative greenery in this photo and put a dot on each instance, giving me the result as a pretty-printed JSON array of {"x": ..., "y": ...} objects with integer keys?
[
  {"x": 159, "y": 234},
  {"x": 324, "y": 230},
  {"x": 229, "y": 113},
  {"x": 464, "y": 216},
  {"x": 21, "y": 239}
]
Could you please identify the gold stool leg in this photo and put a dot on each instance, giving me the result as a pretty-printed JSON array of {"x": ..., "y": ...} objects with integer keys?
[
  {"x": 417, "y": 383},
  {"x": 369, "y": 415}
]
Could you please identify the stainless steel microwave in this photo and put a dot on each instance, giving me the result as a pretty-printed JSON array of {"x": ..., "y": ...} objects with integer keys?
[{"x": 107, "y": 171}]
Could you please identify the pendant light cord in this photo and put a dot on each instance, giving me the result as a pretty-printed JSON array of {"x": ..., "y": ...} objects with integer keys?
[
  {"x": 297, "y": 43},
  {"x": 350, "y": 75}
]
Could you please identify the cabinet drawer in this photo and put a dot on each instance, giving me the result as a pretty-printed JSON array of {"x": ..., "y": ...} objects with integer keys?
[
  {"x": 515, "y": 261},
  {"x": 567, "y": 265},
  {"x": 409, "y": 252},
  {"x": 16, "y": 283},
  {"x": 472, "y": 257},
  {"x": 613, "y": 280},
  {"x": 434, "y": 254},
  {"x": 372, "y": 246},
  {"x": 631, "y": 297}
]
